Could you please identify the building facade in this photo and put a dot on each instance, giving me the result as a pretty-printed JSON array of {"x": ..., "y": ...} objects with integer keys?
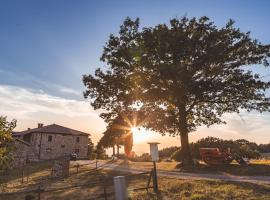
[{"x": 55, "y": 141}]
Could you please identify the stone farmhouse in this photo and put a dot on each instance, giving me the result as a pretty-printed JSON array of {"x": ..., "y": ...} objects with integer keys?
[{"x": 52, "y": 141}]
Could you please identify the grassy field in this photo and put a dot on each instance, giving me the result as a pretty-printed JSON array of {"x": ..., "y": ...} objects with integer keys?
[
  {"x": 255, "y": 168},
  {"x": 170, "y": 188},
  {"x": 205, "y": 190}
]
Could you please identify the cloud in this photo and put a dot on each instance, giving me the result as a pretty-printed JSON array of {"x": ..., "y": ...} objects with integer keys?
[
  {"x": 30, "y": 106},
  {"x": 69, "y": 91},
  {"x": 23, "y": 78}
]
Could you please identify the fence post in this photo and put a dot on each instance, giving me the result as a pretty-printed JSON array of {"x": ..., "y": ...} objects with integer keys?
[
  {"x": 39, "y": 192},
  {"x": 120, "y": 188},
  {"x": 77, "y": 168},
  {"x": 104, "y": 188},
  {"x": 27, "y": 174},
  {"x": 22, "y": 174}
]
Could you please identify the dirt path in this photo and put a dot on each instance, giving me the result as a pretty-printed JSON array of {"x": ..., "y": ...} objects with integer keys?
[{"x": 184, "y": 175}]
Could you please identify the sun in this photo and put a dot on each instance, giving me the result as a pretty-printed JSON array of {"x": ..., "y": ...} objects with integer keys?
[{"x": 140, "y": 135}]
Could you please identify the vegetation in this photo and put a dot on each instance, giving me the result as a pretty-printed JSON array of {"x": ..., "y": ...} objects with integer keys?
[
  {"x": 241, "y": 148},
  {"x": 171, "y": 188},
  {"x": 179, "y": 76},
  {"x": 264, "y": 148},
  {"x": 118, "y": 133},
  {"x": 6, "y": 142}
]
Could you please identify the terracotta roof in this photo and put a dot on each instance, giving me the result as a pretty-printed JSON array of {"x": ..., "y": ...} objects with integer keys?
[{"x": 53, "y": 129}]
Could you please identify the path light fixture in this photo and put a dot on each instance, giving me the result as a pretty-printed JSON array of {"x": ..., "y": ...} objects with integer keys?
[{"x": 155, "y": 158}]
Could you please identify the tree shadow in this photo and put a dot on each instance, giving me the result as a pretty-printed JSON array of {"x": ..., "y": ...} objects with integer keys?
[{"x": 231, "y": 169}]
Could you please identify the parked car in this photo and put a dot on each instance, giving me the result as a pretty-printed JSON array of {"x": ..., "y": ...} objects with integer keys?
[{"x": 73, "y": 156}]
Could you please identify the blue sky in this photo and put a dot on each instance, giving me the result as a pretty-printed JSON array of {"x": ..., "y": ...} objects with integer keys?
[{"x": 46, "y": 46}]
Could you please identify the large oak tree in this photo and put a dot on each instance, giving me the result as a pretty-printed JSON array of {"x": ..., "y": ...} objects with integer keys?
[{"x": 182, "y": 75}]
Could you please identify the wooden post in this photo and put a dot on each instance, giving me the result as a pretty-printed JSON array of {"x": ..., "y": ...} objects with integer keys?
[
  {"x": 22, "y": 174},
  {"x": 120, "y": 188},
  {"x": 155, "y": 183},
  {"x": 39, "y": 192},
  {"x": 113, "y": 150},
  {"x": 77, "y": 166},
  {"x": 104, "y": 188},
  {"x": 118, "y": 147},
  {"x": 96, "y": 164}
]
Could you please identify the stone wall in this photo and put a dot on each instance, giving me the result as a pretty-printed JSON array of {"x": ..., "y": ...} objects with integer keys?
[
  {"x": 50, "y": 146},
  {"x": 23, "y": 152}
]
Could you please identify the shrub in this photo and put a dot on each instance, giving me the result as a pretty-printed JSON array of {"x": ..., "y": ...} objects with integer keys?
[{"x": 242, "y": 148}]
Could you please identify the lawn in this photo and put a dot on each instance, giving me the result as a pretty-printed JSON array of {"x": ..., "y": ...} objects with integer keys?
[
  {"x": 170, "y": 188},
  {"x": 259, "y": 167}
]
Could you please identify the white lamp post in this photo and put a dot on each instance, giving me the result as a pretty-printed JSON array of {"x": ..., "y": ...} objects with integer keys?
[{"x": 154, "y": 157}]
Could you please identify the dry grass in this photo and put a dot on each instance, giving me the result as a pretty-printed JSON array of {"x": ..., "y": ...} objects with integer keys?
[
  {"x": 171, "y": 188},
  {"x": 259, "y": 167}
]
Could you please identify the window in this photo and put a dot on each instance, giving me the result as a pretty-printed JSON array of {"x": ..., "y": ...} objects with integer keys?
[
  {"x": 49, "y": 138},
  {"x": 48, "y": 150},
  {"x": 62, "y": 146},
  {"x": 78, "y": 139},
  {"x": 77, "y": 150}
]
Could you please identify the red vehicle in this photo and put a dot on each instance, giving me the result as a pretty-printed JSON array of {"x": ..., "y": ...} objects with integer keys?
[{"x": 213, "y": 156}]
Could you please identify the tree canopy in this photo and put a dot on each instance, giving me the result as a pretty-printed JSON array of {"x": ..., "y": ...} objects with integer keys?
[
  {"x": 6, "y": 141},
  {"x": 180, "y": 76},
  {"x": 119, "y": 132}
]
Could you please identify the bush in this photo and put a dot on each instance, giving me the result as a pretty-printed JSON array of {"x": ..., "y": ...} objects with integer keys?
[
  {"x": 143, "y": 158},
  {"x": 242, "y": 148}
]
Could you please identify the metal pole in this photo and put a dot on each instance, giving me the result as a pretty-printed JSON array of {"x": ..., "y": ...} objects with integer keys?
[{"x": 155, "y": 182}]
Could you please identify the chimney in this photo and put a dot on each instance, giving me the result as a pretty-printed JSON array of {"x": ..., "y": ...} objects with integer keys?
[{"x": 40, "y": 125}]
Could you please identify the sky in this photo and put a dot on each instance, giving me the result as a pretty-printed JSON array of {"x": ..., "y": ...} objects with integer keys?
[{"x": 46, "y": 47}]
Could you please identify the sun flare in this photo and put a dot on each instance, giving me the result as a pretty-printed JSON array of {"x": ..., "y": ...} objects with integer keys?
[{"x": 140, "y": 135}]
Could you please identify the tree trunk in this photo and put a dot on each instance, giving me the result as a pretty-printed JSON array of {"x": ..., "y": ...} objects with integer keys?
[
  {"x": 118, "y": 147},
  {"x": 113, "y": 150},
  {"x": 185, "y": 151}
]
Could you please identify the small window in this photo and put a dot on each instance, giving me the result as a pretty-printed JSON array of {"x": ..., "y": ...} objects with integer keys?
[
  {"x": 78, "y": 139},
  {"x": 77, "y": 150},
  {"x": 48, "y": 150},
  {"x": 63, "y": 146},
  {"x": 49, "y": 138}
]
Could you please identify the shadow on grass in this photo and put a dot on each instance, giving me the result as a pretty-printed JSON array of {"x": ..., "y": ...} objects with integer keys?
[
  {"x": 232, "y": 169},
  {"x": 171, "y": 188},
  {"x": 27, "y": 170}
]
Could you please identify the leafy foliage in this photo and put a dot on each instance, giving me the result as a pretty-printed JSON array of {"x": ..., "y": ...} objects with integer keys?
[
  {"x": 242, "y": 148},
  {"x": 118, "y": 132},
  {"x": 183, "y": 75},
  {"x": 264, "y": 148},
  {"x": 6, "y": 142},
  {"x": 145, "y": 157},
  {"x": 167, "y": 152}
]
